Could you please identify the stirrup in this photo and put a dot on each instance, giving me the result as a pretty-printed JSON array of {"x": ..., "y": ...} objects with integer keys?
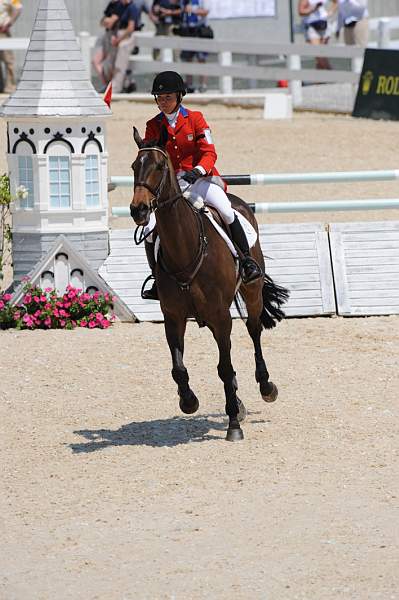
[
  {"x": 152, "y": 292},
  {"x": 250, "y": 270}
]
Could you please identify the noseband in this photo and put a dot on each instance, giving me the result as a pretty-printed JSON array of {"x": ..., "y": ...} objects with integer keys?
[{"x": 156, "y": 192}]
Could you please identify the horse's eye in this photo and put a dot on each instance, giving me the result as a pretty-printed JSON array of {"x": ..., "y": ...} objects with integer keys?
[{"x": 159, "y": 167}]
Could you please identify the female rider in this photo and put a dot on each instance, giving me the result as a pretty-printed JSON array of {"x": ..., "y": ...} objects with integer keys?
[{"x": 193, "y": 156}]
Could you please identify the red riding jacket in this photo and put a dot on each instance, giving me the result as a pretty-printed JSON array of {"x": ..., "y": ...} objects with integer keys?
[{"x": 189, "y": 144}]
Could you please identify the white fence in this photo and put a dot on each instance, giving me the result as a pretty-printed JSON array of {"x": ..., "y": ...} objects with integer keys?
[{"x": 278, "y": 61}]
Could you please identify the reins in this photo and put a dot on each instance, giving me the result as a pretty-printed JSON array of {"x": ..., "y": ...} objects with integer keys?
[
  {"x": 193, "y": 268},
  {"x": 155, "y": 205}
]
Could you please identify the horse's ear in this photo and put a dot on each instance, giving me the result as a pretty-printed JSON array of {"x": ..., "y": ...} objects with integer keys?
[
  {"x": 163, "y": 137},
  {"x": 137, "y": 138}
]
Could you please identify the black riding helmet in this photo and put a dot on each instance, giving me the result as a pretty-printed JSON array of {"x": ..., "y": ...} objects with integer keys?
[{"x": 168, "y": 82}]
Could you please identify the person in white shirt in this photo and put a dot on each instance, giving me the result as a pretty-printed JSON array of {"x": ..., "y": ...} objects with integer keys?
[
  {"x": 353, "y": 19},
  {"x": 315, "y": 17}
]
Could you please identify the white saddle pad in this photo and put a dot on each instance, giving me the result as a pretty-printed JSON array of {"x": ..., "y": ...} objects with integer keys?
[{"x": 249, "y": 231}]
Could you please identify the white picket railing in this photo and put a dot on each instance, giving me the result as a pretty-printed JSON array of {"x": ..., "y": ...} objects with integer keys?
[{"x": 226, "y": 69}]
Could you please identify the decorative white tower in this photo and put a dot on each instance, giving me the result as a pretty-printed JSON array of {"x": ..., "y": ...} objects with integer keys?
[{"x": 57, "y": 147}]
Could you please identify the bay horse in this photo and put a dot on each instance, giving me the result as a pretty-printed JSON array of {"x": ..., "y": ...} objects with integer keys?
[{"x": 196, "y": 277}]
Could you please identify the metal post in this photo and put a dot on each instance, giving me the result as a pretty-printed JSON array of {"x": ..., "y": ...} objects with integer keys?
[
  {"x": 166, "y": 55},
  {"x": 383, "y": 40},
  {"x": 226, "y": 81},
  {"x": 294, "y": 64},
  {"x": 291, "y": 17},
  {"x": 357, "y": 64},
  {"x": 84, "y": 40}
]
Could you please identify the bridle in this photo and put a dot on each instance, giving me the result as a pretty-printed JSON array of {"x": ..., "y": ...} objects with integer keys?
[
  {"x": 157, "y": 191},
  {"x": 185, "y": 277}
]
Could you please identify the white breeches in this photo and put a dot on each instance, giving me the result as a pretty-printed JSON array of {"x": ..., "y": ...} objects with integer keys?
[
  {"x": 213, "y": 195},
  {"x": 210, "y": 193}
]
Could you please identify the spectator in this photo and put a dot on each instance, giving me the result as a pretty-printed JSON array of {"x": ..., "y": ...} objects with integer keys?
[
  {"x": 194, "y": 16},
  {"x": 104, "y": 52},
  {"x": 123, "y": 42},
  {"x": 353, "y": 17},
  {"x": 142, "y": 7},
  {"x": 9, "y": 13},
  {"x": 315, "y": 20},
  {"x": 165, "y": 14}
]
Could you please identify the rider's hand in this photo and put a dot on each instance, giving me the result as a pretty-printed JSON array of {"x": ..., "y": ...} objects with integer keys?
[{"x": 191, "y": 176}]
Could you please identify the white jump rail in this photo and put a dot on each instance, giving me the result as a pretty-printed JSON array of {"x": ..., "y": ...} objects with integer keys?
[
  {"x": 299, "y": 207},
  {"x": 286, "y": 178},
  {"x": 290, "y": 178}
]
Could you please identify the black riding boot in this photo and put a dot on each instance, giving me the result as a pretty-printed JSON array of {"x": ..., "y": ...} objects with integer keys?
[
  {"x": 152, "y": 293},
  {"x": 249, "y": 268}
]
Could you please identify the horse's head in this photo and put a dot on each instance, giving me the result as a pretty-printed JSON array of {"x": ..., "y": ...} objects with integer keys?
[{"x": 150, "y": 173}]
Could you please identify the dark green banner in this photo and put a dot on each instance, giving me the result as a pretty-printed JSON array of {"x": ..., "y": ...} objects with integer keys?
[{"x": 378, "y": 93}]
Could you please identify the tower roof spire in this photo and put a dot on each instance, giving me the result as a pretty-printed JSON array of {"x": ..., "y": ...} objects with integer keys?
[{"x": 54, "y": 81}]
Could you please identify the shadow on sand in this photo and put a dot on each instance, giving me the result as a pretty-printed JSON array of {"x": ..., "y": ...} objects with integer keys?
[{"x": 158, "y": 433}]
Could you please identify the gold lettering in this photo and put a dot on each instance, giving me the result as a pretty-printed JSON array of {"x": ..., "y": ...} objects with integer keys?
[
  {"x": 396, "y": 90},
  {"x": 390, "y": 85},
  {"x": 381, "y": 84}
]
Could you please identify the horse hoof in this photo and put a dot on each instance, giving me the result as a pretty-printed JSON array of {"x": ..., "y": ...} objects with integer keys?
[
  {"x": 242, "y": 412},
  {"x": 189, "y": 405},
  {"x": 271, "y": 396},
  {"x": 234, "y": 435}
]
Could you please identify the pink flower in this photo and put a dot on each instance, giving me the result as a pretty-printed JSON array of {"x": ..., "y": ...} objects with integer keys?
[
  {"x": 83, "y": 323},
  {"x": 62, "y": 323},
  {"x": 7, "y": 297},
  {"x": 36, "y": 298},
  {"x": 47, "y": 322},
  {"x": 37, "y": 313},
  {"x": 2, "y": 305},
  {"x": 28, "y": 320},
  {"x": 92, "y": 324},
  {"x": 43, "y": 299},
  {"x": 27, "y": 299},
  {"x": 48, "y": 290}
]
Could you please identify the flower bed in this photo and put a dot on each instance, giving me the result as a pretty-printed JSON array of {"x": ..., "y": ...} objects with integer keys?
[{"x": 43, "y": 309}]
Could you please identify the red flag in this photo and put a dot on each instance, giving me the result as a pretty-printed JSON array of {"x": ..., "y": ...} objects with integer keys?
[{"x": 108, "y": 94}]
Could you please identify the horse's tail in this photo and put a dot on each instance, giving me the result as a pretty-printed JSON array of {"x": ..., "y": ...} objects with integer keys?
[{"x": 273, "y": 297}]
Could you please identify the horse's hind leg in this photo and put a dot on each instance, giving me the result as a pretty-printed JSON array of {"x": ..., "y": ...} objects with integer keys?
[
  {"x": 234, "y": 407},
  {"x": 267, "y": 388},
  {"x": 175, "y": 330}
]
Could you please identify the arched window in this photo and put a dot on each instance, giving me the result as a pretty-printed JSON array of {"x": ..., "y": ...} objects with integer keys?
[
  {"x": 92, "y": 172},
  {"x": 92, "y": 180},
  {"x": 59, "y": 164},
  {"x": 25, "y": 174}
]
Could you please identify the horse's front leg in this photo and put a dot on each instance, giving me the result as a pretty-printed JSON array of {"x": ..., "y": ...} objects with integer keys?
[
  {"x": 234, "y": 407},
  {"x": 175, "y": 330}
]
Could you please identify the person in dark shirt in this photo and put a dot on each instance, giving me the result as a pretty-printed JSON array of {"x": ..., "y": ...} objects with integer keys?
[
  {"x": 123, "y": 42},
  {"x": 104, "y": 52},
  {"x": 165, "y": 15}
]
